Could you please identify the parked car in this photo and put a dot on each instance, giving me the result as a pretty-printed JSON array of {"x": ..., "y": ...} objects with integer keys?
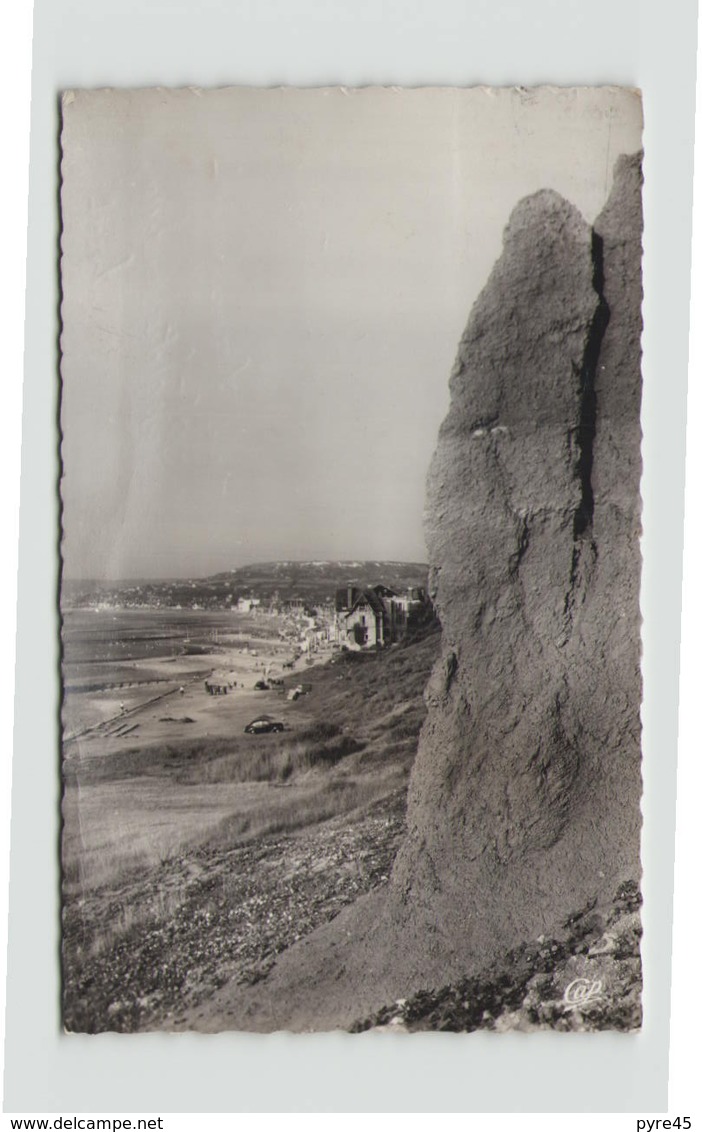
[
  {"x": 263, "y": 726},
  {"x": 260, "y": 686}
]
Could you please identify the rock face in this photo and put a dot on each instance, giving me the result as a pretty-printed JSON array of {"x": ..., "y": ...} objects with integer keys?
[
  {"x": 524, "y": 800},
  {"x": 524, "y": 803}
]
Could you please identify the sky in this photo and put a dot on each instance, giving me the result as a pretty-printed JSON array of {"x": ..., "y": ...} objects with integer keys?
[{"x": 263, "y": 291}]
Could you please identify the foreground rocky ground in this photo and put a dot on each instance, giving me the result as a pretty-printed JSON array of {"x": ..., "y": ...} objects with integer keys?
[
  {"x": 213, "y": 916},
  {"x": 586, "y": 978},
  {"x": 224, "y": 915}
]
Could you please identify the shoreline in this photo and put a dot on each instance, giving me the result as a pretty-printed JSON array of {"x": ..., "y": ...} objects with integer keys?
[{"x": 104, "y": 692}]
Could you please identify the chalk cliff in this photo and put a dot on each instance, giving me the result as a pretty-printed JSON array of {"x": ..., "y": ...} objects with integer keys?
[{"x": 524, "y": 803}]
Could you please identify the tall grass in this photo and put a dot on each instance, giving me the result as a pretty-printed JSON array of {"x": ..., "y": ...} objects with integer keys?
[
  {"x": 245, "y": 758},
  {"x": 358, "y": 750},
  {"x": 270, "y": 761},
  {"x": 298, "y": 811}
]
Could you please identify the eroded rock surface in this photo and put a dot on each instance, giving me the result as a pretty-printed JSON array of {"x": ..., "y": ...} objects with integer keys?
[
  {"x": 525, "y": 795},
  {"x": 524, "y": 800}
]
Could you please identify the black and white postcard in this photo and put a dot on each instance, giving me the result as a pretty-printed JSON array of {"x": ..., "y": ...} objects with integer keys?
[{"x": 351, "y": 460}]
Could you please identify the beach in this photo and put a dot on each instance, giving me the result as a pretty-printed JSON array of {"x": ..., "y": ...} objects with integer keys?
[{"x": 138, "y": 675}]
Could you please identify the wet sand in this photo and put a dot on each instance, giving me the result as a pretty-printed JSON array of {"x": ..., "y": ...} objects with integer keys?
[{"x": 110, "y": 704}]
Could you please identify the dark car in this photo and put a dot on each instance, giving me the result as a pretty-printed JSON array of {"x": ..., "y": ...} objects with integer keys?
[
  {"x": 260, "y": 686},
  {"x": 263, "y": 727}
]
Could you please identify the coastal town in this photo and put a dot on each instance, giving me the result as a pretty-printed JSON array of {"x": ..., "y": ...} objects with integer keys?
[
  {"x": 358, "y": 618},
  {"x": 128, "y": 649},
  {"x": 304, "y": 604}
]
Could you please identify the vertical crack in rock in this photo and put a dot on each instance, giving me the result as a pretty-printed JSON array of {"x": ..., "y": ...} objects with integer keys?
[
  {"x": 583, "y": 439},
  {"x": 587, "y": 424},
  {"x": 522, "y": 546}
]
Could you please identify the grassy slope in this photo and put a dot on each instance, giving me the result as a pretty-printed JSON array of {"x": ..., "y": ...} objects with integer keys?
[{"x": 315, "y": 819}]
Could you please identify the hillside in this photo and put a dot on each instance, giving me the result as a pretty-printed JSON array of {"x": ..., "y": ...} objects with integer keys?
[
  {"x": 321, "y": 579},
  {"x": 314, "y": 582},
  {"x": 227, "y": 850}
]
